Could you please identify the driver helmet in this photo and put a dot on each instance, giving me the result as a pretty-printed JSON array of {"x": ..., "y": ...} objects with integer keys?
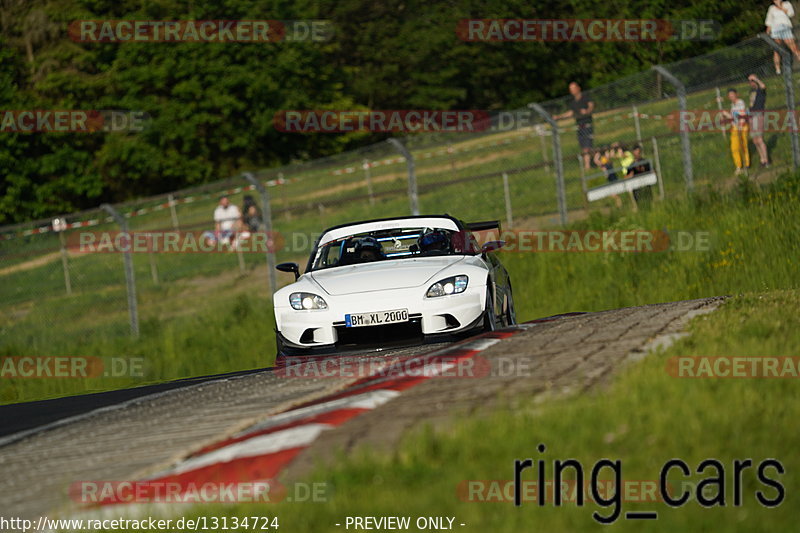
[
  {"x": 369, "y": 248},
  {"x": 435, "y": 240}
]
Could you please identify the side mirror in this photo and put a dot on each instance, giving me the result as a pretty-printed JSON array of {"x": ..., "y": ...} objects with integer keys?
[
  {"x": 290, "y": 267},
  {"x": 492, "y": 246}
]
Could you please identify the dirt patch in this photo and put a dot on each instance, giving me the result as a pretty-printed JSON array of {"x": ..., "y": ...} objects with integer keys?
[{"x": 31, "y": 263}]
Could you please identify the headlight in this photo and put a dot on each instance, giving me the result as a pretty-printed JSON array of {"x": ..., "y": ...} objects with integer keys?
[
  {"x": 304, "y": 300},
  {"x": 448, "y": 286}
]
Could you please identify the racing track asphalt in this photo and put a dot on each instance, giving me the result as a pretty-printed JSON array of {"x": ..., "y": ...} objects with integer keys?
[
  {"x": 22, "y": 419},
  {"x": 143, "y": 435}
]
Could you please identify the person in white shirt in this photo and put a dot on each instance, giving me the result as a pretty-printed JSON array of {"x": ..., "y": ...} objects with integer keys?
[
  {"x": 739, "y": 128},
  {"x": 227, "y": 221},
  {"x": 779, "y": 27}
]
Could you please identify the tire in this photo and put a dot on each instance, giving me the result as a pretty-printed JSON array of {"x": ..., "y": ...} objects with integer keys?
[
  {"x": 280, "y": 349},
  {"x": 489, "y": 318},
  {"x": 511, "y": 312},
  {"x": 284, "y": 350}
]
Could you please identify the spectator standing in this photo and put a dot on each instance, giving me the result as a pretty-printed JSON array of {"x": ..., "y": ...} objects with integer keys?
[
  {"x": 581, "y": 108},
  {"x": 739, "y": 128},
  {"x": 251, "y": 215},
  {"x": 779, "y": 27},
  {"x": 758, "y": 101}
]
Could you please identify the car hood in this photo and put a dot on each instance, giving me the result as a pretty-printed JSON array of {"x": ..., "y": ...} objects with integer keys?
[{"x": 383, "y": 275}]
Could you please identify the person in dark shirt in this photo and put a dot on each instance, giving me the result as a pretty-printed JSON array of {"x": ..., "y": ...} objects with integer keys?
[
  {"x": 758, "y": 102},
  {"x": 581, "y": 108},
  {"x": 640, "y": 165},
  {"x": 251, "y": 214}
]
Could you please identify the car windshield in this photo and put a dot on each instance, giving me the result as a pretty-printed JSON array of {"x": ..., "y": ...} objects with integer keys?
[{"x": 397, "y": 243}]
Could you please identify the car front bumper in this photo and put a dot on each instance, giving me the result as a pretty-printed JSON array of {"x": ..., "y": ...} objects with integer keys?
[{"x": 320, "y": 327}]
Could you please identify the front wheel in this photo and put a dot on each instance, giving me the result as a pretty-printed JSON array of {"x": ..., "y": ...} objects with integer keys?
[
  {"x": 279, "y": 346},
  {"x": 283, "y": 350}
]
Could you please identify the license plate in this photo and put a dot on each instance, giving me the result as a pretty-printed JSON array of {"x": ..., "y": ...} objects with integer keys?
[{"x": 379, "y": 318}]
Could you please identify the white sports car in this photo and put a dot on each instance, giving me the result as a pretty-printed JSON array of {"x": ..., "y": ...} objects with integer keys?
[{"x": 393, "y": 279}]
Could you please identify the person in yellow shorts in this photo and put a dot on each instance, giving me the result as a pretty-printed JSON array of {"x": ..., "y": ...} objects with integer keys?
[{"x": 739, "y": 132}]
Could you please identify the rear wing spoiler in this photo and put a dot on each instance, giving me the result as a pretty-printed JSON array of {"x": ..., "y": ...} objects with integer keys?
[{"x": 483, "y": 226}]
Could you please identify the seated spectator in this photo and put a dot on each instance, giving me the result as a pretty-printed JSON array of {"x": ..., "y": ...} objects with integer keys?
[
  {"x": 227, "y": 222},
  {"x": 623, "y": 158},
  {"x": 603, "y": 159}
]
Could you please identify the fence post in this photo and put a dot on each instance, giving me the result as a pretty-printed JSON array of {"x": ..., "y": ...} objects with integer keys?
[
  {"x": 637, "y": 125},
  {"x": 719, "y": 108},
  {"x": 413, "y": 198},
  {"x": 127, "y": 261},
  {"x": 540, "y": 133},
  {"x": 688, "y": 169},
  {"x": 153, "y": 267},
  {"x": 450, "y": 153},
  {"x": 786, "y": 61},
  {"x": 59, "y": 226},
  {"x": 507, "y": 196},
  {"x": 559, "y": 164},
  {"x": 583, "y": 181},
  {"x": 266, "y": 220},
  {"x": 365, "y": 165},
  {"x": 173, "y": 213},
  {"x": 658, "y": 169}
]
